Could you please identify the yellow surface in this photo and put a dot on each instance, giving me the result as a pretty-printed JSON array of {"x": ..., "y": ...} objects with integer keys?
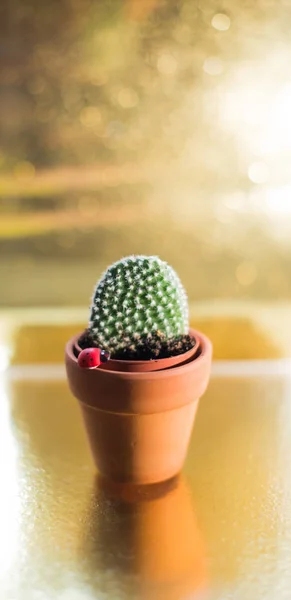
[
  {"x": 223, "y": 530},
  {"x": 246, "y": 331}
]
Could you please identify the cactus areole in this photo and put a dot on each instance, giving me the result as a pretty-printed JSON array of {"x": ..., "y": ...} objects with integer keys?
[{"x": 139, "y": 311}]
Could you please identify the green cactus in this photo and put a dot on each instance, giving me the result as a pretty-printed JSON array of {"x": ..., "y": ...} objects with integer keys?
[{"x": 139, "y": 303}]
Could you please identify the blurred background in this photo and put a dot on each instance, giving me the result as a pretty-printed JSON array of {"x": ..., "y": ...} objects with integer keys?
[
  {"x": 145, "y": 126},
  {"x": 156, "y": 127}
]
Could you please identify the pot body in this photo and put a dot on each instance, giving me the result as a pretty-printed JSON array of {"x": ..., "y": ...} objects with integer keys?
[
  {"x": 136, "y": 448},
  {"x": 139, "y": 424}
]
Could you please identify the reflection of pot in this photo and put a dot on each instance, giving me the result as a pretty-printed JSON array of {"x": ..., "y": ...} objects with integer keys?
[
  {"x": 139, "y": 424},
  {"x": 149, "y": 533}
]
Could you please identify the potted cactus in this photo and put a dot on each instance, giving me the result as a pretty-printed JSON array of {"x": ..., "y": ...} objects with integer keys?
[{"x": 138, "y": 371}]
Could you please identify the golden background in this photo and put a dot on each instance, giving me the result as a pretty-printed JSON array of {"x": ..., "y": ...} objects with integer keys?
[{"x": 145, "y": 126}]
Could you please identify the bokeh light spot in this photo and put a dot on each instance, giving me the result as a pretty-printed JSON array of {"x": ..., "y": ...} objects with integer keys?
[
  {"x": 221, "y": 22},
  {"x": 127, "y": 98}
]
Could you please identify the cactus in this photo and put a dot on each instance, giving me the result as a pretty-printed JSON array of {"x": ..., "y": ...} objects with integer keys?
[{"x": 139, "y": 307}]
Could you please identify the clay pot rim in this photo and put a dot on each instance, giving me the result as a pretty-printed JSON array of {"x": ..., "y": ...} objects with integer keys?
[
  {"x": 205, "y": 347},
  {"x": 145, "y": 366}
]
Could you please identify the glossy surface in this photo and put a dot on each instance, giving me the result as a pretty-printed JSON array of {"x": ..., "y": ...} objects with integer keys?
[{"x": 222, "y": 532}]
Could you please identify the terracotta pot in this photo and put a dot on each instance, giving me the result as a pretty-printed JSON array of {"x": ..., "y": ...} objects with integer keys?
[
  {"x": 143, "y": 366},
  {"x": 139, "y": 424}
]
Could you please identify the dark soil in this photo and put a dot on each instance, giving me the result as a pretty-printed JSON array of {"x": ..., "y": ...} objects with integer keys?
[{"x": 145, "y": 348}]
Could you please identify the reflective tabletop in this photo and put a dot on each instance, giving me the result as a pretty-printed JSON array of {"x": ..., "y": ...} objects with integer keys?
[{"x": 222, "y": 530}]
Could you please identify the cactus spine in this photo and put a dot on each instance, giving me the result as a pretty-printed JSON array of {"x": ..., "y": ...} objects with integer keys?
[{"x": 138, "y": 299}]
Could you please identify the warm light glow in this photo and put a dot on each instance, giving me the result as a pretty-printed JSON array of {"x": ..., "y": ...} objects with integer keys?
[
  {"x": 220, "y": 22},
  {"x": 278, "y": 201},
  {"x": 257, "y": 112},
  {"x": 255, "y": 109},
  {"x": 258, "y": 172}
]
